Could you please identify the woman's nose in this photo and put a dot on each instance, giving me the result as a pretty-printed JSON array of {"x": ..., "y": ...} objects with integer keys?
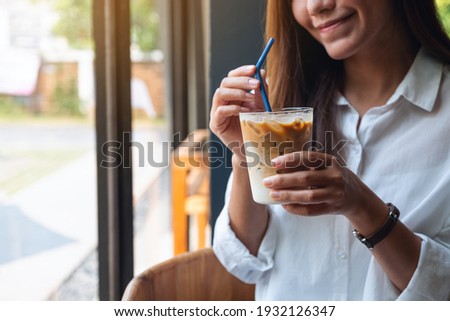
[{"x": 319, "y": 6}]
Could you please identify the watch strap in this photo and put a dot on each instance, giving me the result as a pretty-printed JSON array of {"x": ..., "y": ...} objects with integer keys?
[{"x": 381, "y": 233}]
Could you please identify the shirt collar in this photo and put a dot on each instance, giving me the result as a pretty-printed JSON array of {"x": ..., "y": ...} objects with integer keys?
[{"x": 420, "y": 85}]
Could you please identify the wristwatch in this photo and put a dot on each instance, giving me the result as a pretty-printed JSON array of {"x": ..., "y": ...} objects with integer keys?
[{"x": 381, "y": 233}]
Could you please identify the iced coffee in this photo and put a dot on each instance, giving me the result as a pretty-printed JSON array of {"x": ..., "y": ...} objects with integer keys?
[{"x": 269, "y": 135}]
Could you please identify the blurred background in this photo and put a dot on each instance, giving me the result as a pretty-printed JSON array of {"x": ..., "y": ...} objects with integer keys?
[
  {"x": 53, "y": 244},
  {"x": 48, "y": 183}
]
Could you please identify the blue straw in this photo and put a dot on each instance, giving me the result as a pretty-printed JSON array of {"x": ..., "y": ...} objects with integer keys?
[{"x": 258, "y": 73}]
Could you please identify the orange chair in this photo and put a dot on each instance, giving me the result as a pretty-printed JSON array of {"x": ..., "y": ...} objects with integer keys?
[
  {"x": 190, "y": 192},
  {"x": 192, "y": 276}
]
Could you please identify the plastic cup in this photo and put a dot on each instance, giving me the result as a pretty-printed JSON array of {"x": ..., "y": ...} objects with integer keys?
[{"x": 268, "y": 135}]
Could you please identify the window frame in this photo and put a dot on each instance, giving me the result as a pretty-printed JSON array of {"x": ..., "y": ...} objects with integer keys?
[
  {"x": 111, "y": 21},
  {"x": 234, "y": 23}
]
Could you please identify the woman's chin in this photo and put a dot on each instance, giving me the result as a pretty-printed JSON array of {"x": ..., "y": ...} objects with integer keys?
[{"x": 339, "y": 51}]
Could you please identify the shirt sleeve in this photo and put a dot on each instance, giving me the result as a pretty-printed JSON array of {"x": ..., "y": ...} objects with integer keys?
[
  {"x": 430, "y": 281},
  {"x": 234, "y": 256}
]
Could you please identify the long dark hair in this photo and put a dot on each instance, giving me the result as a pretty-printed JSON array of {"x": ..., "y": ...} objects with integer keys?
[{"x": 300, "y": 71}]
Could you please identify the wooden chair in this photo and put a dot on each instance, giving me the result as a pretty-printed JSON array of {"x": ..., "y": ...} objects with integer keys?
[
  {"x": 190, "y": 191},
  {"x": 192, "y": 276}
]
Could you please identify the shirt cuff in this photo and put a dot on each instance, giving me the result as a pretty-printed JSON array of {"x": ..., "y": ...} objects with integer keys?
[
  {"x": 431, "y": 280},
  {"x": 235, "y": 256}
]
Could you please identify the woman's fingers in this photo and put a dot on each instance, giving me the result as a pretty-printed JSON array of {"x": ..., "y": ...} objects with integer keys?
[
  {"x": 246, "y": 83},
  {"x": 308, "y": 210},
  {"x": 226, "y": 96},
  {"x": 239, "y": 88},
  {"x": 238, "y": 92},
  {"x": 307, "y": 159},
  {"x": 307, "y": 196},
  {"x": 235, "y": 91},
  {"x": 249, "y": 71},
  {"x": 308, "y": 192},
  {"x": 304, "y": 179},
  {"x": 223, "y": 112}
]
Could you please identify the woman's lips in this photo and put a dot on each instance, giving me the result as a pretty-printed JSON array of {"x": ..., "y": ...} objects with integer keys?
[{"x": 333, "y": 24}]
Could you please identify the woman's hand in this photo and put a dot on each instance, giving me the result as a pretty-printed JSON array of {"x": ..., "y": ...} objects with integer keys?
[
  {"x": 232, "y": 97},
  {"x": 313, "y": 183}
]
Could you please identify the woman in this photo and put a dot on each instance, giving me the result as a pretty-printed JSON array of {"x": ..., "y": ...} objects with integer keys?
[{"x": 377, "y": 74}]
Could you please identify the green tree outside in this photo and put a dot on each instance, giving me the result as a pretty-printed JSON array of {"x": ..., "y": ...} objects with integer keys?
[
  {"x": 144, "y": 24},
  {"x": 444, "y": 12},
  {"x": 75, "y": 23}
]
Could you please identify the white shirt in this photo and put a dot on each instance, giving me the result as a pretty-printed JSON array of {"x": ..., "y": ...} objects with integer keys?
[{"x": 402, "y": 152}]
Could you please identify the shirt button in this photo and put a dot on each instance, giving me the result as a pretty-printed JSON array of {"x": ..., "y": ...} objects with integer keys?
[{"x": 342, "y": 256}]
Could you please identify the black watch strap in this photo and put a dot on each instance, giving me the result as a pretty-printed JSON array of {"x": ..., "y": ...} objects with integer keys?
[{"x": 384, "y": 231}]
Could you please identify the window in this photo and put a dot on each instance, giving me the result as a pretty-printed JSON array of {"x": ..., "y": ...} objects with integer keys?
[
  {"x": 48, "y": 206},
  {"x": 60, "y": 107}
]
